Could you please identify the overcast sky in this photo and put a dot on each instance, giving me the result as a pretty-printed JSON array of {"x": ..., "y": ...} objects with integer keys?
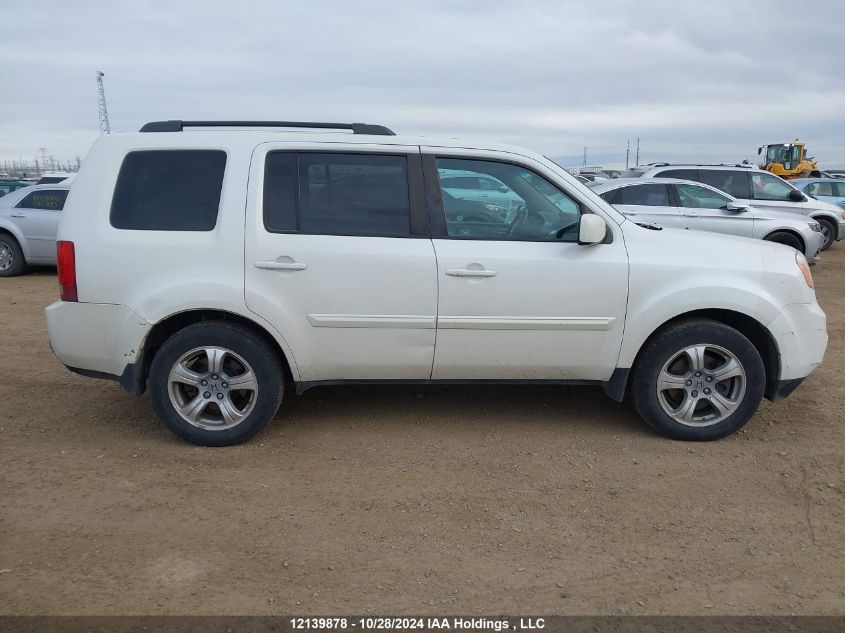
[{"x": 695, "y": 80}]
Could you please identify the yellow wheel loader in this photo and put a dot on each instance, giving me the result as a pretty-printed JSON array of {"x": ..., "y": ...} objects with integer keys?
[{"x": 788, "y": 160}]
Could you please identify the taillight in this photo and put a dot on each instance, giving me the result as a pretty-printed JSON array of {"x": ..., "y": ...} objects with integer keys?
[{"x": 66, "y": 258}]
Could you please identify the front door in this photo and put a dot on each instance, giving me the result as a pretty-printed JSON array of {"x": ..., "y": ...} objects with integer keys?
[
  {"x": 339, "y": 261},
  {"x": 705, "y": 209},
  {"x": 518, "y": 297}
]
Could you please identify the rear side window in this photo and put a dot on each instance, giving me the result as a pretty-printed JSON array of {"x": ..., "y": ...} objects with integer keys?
[
  {"x": 656, "y": 195},
  {"x": 337, "y": 194},
  {"x": 683, "y": 174},
  {"x": 46, "y": 199},
  {"x": 169, "y": 190},
  {"x": 734, "y": 183}
]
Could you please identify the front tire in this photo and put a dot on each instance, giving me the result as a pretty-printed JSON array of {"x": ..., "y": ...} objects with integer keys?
[
  {"x": 698, "y": 379},
  {"x": 787, "y": 239},
  {"x": 829, "y": 230},
  {"x": 12, "y": 262},
  {"x": 215, "y": 383}
]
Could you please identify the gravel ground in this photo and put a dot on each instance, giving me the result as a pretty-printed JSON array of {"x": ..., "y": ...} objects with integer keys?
[{"x": 438, "y": 500}]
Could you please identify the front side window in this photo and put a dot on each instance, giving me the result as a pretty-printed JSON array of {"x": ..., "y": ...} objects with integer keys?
[
  {"x": 656, "y": 195},
  {"x": 528, "y": 207},
  {"x": 767, "y": 187},
  {"x": 694, "y": 197},
  {"x": 820, "y": 189},
  {"x": 44, "y": 199},
  {"x": 168, "y": 190},
  {"x": 337, "y": 194},
  {"x": 733, "y": 182}
]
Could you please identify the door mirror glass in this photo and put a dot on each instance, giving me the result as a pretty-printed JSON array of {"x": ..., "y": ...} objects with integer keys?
[{"x": 592, "y": 229}]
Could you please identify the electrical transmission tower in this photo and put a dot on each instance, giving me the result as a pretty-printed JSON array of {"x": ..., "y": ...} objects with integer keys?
[{"x": 105, "y": 127}]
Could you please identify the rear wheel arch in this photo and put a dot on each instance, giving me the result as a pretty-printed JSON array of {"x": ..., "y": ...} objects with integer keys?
[
  {"x": 748, "y": 326},
  {"x": 167, "y": 327}
]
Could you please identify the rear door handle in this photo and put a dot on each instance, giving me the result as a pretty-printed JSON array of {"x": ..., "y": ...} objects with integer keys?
[
  {"x": 274, "y": 265},
  {"x": 16, "y": 215},
  {"x": 690, "y": 215},
  {"x": 468, "y": 272}
]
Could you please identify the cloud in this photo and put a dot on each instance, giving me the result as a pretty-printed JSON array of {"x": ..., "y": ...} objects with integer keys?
[{"x": 694, "y": 81}]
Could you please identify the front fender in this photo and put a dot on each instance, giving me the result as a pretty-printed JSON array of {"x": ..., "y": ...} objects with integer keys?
[{"x": 645, "y": 318}]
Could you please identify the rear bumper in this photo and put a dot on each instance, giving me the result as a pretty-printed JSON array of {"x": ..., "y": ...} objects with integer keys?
[
  {"x": 97, "y": 339},
  {"x": 800, "y": 330}
]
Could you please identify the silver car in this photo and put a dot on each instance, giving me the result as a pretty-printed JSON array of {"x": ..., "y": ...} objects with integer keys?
[
  {"x": 691, "y": 205},
  {"x": 29, "y": 220}
]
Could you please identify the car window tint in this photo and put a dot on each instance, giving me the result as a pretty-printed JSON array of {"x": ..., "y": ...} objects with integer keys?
[
  {"x": 526, "y": 207},
  {"x": 695, "y": 197},
  {"x": 46, "y": 199},
  {"x": 281, "y": 187},
  {"x": 840, "y": 186},
  {"x": 168, "y": 190},
  {"x": 683, "y": 174},
  {"x": 354, "y": 194},
  {"x": 820, "y": 189},
  {"x": 653, "y": 195},
  {"x": 611, "y": 196},
  {"x": 767, "y": 187},
  {"x": 461, "y": 182},
  {"x": 733, "y": 182}
]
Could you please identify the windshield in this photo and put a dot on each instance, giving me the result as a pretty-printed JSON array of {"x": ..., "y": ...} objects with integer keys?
[{"x": 788, "y": 155}]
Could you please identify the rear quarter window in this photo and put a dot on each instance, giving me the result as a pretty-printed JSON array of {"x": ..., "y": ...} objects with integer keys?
[{"x": 168, "y": 190}]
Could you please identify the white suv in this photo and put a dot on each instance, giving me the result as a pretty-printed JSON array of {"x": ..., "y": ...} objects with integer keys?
[{"x": 217, "y": 266}]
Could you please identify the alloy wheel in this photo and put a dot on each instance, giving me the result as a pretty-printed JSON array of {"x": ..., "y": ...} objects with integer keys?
[
  {"x": 701, "y": 385},
  {"x": 212, "y": 388}
]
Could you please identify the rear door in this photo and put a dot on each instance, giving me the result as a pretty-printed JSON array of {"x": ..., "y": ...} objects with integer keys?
[
  {"x": 648, "y": 202},
  {"x": 339, "y": 259},
  {"x": 704, "y": 209},
  {"x": 37, "y": 215}
]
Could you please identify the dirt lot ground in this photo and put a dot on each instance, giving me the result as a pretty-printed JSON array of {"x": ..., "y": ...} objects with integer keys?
[{"x": 441, "y": 500}]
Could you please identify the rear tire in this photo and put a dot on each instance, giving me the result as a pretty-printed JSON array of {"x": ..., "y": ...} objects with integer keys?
[
  {"x": 698, "y": 379},
  {"x": 215, "y": 383},
  {"x": 829, "y": 229},
  {"x": 787, "y": 239},
  {"x": 12, "y": 262}
]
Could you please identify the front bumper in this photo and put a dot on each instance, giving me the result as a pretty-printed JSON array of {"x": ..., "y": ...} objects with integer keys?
[
  {"x": 800, "y": 331},
  {"x": 95, "y": 338},
  {"x": 840, "y": 229}
]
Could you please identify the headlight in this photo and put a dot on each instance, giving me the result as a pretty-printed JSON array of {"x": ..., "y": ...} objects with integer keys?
[
  {"x": 801, "y": 261},
  {"x": 815, "y": 226}
]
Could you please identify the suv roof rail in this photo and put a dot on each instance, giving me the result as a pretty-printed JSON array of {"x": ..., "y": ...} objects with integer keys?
[{"x": 176, "y": 125}]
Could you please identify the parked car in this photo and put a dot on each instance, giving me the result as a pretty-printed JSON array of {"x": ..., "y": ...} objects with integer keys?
[
  {"x": 834, "y": 173},
  {"x": 754, "y": 186},
  {"x": 685, "y": 204},
  {"x": 479, "y": 188},
  {"x": 827, "y": 189},
  {"x": 220, "y": 268},
  {"x": 9, "y": 185},
  {"x": 29, "y": 219}
]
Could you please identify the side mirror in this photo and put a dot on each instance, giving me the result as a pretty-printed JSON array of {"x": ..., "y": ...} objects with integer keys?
[
  {"x": 736, "y": 207},
  {"x": 592, "y": 229},
  {"x": 502, "y": 188},
  {"x": 796, "y": 196}
]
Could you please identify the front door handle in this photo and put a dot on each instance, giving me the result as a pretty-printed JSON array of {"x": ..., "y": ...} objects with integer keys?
[
  {"x": 469, "y": 272},
  {"x": 276, "y": 265},
  {"x": 17, "y": 215},
  {"x": 690, "y": 215}
]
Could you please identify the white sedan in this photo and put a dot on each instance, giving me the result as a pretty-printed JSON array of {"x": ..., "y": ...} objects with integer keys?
[
  {"x": 692, "y": 205},
  {"x": 29, "y": 220}
]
